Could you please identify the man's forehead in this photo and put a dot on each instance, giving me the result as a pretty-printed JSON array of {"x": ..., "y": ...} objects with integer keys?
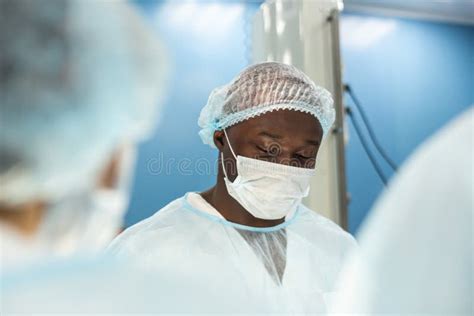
[
  {"x": 283, "y": 120},
  {"x": 277, "y": 128}
]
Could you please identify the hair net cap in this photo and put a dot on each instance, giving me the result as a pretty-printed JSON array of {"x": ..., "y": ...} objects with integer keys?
[
  {"x": 78, "y": 79},
  {"x": 263, "y": 88}
]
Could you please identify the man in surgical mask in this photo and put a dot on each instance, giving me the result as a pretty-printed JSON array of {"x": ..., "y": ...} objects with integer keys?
[
  {"x": 268, "y": 125},
  {"x": 80, "y": 81}
]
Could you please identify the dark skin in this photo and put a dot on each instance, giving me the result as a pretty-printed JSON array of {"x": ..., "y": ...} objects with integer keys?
[{"x": 284, "y": 137}]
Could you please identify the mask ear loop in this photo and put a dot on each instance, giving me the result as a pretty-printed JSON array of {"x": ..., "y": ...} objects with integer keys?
[
  {"x": 222, "y": 155},
  {"x": 230, "y": 146}
]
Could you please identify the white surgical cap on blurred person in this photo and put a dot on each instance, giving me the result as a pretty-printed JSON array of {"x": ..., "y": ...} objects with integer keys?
[
  {"x": 78, "y": 79},
  {"x": 416, "y": 247}
]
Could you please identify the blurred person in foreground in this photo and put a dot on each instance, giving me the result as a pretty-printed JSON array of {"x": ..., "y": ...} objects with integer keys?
[
  {"x": 416, "y": 248},
  {"x": 79, "y": 87}
]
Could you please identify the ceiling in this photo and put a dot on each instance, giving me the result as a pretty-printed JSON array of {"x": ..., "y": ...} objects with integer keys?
[{"x": 453, "y": 11}]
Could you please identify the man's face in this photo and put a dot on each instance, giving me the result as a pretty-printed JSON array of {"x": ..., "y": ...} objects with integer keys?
[{"x": 285, "y": 137}]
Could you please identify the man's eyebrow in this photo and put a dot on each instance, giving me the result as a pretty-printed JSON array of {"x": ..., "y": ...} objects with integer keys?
[
  {"x": 274, "y": 136},
  {"x": 313, "y": 142},
  {"x": 267, "y": 134}
]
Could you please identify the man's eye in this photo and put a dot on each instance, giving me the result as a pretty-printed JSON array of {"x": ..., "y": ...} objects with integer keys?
[
  {"x": 263, "y": 150},
  {"x": 266, "y": 152},
  {"x": 304, "y": 155}
]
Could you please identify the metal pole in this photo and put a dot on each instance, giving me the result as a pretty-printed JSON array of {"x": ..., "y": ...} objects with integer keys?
[{"x": 339, "y": 124}]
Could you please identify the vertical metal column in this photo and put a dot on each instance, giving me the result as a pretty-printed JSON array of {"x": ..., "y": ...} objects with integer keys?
[
  {"x": 305, "y": 33},
  {"x": 338, "y": 129}
]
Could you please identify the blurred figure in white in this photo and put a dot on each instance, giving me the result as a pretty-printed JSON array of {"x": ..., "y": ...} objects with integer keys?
[
  {"x": 80, "y": 80},
  {"x": 416, "y": 248},
  {"x": 79, "y": 87}
]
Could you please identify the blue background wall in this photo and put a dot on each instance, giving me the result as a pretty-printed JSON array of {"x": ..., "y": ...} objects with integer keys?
[
  {"x": 411, "y": 77},
  {"x": 208, "y": 45}
]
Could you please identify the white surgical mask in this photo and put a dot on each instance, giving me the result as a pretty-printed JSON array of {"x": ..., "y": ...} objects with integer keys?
[
  {"x": 87, "y": 221},
  {"x": 265, "y": 189}
]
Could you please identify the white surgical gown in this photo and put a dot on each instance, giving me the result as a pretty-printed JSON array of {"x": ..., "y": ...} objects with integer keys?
[{"x": 291, "y": 267}]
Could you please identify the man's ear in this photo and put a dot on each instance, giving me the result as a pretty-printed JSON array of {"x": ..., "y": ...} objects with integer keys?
[{"x": 219, "y": 139}]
